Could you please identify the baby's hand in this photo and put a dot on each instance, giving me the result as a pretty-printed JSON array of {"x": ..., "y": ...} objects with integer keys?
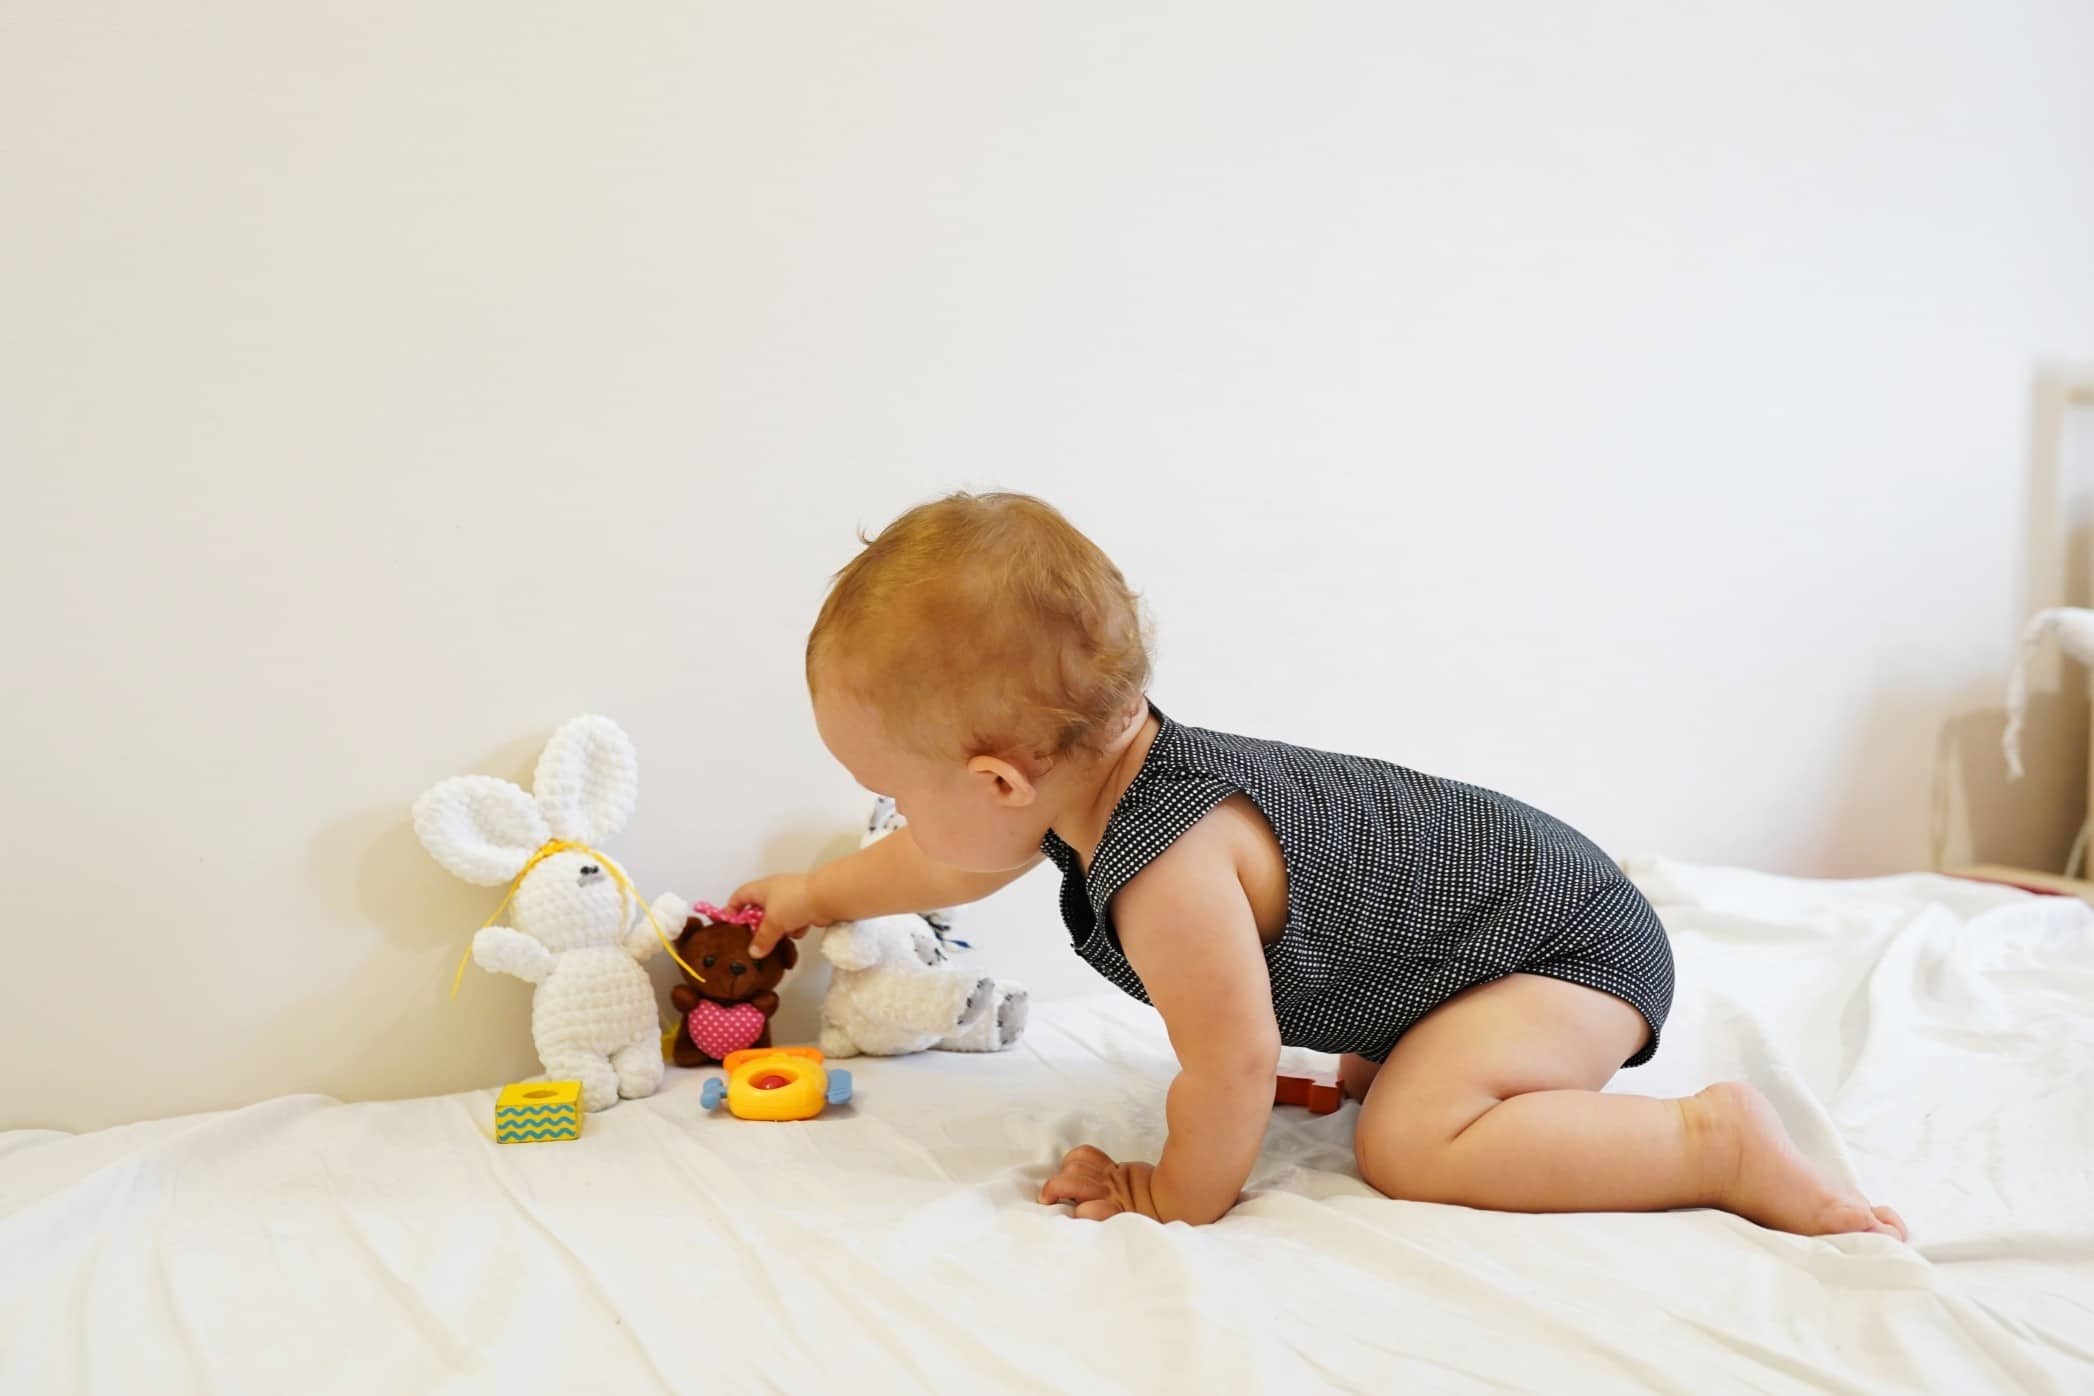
[
  {"x": 1099, "y": 1187},
  {"x": 787, "y": 900}
]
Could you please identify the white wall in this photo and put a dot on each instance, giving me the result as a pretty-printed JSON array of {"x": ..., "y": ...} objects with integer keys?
[{"x": 1626, "y": 405}]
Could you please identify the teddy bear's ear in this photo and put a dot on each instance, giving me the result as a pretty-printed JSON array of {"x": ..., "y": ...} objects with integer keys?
[
  {"x": 480, "y": 828},
  {"x": 588, "y": 779},
  {"x": 786, "y": 953}
]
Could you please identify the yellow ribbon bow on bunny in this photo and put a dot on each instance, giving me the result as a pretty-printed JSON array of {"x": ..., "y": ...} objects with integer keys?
[{"x": 626, "y": 892}]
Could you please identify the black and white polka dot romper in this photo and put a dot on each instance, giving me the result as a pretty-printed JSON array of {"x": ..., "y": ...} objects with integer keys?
[{"x": 1402, "y": 889}]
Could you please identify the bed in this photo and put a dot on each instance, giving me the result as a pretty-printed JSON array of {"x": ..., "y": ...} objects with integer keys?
[{"x": 1930, "y": 1038}]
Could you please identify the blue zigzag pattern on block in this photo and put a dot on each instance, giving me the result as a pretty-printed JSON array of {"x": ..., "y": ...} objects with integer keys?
[
  {"x": 533, "y": 1112},
  {"x": 516, "y": 1136}
]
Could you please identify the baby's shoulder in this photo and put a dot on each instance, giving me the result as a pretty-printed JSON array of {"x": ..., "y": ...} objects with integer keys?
[{"x": 1231, "y": 852}]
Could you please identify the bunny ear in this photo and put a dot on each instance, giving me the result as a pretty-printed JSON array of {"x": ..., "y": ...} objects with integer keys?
[
  {"x": 480, "y": 828},
  {"x": 588, "y": 779}
]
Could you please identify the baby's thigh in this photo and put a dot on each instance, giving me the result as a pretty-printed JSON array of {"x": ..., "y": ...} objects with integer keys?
[{"x": 1512, "y": 1036}]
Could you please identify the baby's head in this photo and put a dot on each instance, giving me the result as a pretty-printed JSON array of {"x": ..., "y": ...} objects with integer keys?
[{"x": 973, "y": 662}]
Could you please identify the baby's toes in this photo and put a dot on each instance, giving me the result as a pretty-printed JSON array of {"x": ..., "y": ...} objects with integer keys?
[
  {"x": 1890, "y": 1223},
  {"x": 1839, "y": 1216}
]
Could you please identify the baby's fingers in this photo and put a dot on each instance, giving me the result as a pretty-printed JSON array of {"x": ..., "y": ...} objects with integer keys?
[
  {"x": 766, "y": 936},
  {"x": 1087, "y": 1158},
  {"x": 1075, "y": 1187},
  {"x": 1085, "y": 1175},
  {"x": 1101, "y": 1210}
]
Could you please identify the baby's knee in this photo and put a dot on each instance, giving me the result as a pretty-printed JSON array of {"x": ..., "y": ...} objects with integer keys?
[
  {"x": 1401, "y": 1163},
  {"x": 1407, "y": 1143}
]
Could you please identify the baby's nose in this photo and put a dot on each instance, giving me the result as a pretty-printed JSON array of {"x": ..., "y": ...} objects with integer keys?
[{"x": 738, "y": 967}]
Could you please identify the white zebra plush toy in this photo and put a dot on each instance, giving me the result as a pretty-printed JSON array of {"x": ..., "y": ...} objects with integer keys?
[
  {"x": 895, "y": 990},
  {"x": 576, "y": 929}
]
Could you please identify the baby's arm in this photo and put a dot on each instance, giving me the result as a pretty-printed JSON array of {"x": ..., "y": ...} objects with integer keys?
[
  {"x": 1189, "y": 931},
  {"x": 895, "y": 876},
  {"x": 885, "y": 879}
]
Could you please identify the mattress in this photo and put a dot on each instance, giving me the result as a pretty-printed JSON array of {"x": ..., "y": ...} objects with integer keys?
[{"x": 1931, "y": 1040}]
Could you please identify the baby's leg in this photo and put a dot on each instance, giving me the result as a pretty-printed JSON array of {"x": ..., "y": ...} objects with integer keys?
[{"x": 1492, "y": 1100}]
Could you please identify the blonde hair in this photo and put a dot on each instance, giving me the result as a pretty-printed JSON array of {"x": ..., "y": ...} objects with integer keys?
[{"x": 986, "y": 622}]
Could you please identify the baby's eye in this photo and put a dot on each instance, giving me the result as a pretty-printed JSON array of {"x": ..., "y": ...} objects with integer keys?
[{"x": 709, "y": 960}]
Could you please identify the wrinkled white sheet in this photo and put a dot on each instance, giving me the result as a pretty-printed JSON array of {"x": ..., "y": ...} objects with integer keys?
[{"x": 1932, "y": 1039}]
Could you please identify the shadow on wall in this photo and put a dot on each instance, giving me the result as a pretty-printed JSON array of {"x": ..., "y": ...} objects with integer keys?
[
  {"x": 1978, "y": 814},
  {"x": 389, "y": 1017},
  {"x": 387, "y": 1026}
]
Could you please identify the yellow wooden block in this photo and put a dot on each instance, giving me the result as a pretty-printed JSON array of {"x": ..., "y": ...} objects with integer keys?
[{"x": 536, "y": 1112}]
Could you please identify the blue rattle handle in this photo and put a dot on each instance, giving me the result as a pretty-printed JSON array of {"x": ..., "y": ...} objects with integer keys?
[
  {"x": 713, "y": 1093},
  {"x": 839, "y": 1088}
]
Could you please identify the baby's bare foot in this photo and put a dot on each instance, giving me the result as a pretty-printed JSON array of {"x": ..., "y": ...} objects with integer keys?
[{"x": 1757, "y": 1171}]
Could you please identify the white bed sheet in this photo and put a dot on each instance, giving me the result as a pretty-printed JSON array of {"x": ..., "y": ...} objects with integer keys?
[{"x": 1931, "y": 1039}]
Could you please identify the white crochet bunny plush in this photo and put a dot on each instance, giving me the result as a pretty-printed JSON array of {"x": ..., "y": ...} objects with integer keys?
[
  {"x": 577, "y": 929},
  {"x": 895, "y": 990}
]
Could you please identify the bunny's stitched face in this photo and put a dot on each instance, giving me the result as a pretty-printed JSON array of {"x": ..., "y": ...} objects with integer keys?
[{"x": 571, "y": 900}]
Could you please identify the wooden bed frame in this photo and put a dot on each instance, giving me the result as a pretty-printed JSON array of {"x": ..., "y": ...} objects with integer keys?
[
  {"x": 2068, "y": 391},
  {"x": 2027, "y": 879}
]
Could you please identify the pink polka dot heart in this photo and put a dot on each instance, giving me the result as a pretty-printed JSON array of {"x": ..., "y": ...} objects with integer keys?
[{"x": 720, "y": 1028}]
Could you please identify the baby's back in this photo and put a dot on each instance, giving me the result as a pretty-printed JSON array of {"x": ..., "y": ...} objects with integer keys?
[{"x": 1403, "y": 889}]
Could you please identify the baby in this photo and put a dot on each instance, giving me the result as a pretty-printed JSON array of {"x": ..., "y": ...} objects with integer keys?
[{"x": 1482, "y": 967}]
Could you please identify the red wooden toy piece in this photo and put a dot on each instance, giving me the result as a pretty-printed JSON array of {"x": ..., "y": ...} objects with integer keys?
[{"x": 1321, "y": 1097}]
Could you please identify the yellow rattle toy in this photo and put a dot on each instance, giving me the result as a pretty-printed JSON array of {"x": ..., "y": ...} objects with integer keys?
[{"x": 776, "y": 1083}]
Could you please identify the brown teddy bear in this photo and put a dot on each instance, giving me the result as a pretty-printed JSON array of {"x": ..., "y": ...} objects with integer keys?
[{"x": 732, "y": 1009}]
